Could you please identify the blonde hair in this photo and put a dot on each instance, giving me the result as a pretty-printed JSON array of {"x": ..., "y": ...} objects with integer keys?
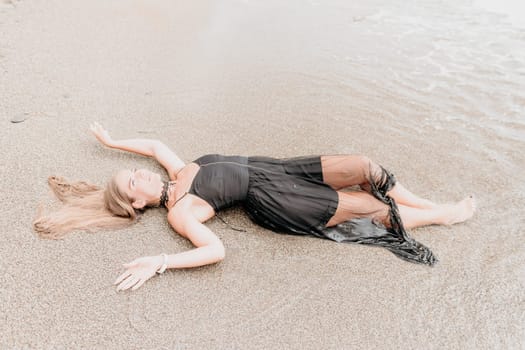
[{"x": 84, "y": 207}]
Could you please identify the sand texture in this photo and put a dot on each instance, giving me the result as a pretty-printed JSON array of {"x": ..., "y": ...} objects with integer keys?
[{"x": 433, "y": 91}]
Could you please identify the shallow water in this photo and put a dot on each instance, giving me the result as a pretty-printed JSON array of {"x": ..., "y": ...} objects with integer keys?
[{"x": 446, "y": 66}]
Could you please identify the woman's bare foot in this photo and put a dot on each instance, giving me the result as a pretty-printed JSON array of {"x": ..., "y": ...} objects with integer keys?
[{"x": 459, "y": 212}]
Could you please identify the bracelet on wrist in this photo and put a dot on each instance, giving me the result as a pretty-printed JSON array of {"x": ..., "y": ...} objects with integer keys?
[{"x": 164, "y": 264}]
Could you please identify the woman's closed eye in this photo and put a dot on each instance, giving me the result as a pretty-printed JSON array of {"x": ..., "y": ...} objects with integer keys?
[{"x": 133, "y": 177}]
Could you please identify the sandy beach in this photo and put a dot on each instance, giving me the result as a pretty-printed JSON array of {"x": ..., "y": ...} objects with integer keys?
[{"x": 433, "y": 91}]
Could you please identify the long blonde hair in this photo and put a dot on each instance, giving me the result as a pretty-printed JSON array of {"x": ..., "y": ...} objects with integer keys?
[{"x": 84, "y": 207}]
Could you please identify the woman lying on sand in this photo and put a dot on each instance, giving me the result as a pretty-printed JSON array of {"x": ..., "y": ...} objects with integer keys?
[{"x": 297, "y": 195}]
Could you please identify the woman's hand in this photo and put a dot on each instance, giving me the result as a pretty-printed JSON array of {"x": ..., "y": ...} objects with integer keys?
[
  {"x": 101, "y": 134},
  {"x": 138, "y": 271}
]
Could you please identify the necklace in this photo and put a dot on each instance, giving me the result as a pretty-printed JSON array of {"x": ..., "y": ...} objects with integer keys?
[{"x": 164, "y": 197}]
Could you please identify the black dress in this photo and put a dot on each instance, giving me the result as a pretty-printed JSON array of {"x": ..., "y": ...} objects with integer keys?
[{"x": 289, "y": 195}]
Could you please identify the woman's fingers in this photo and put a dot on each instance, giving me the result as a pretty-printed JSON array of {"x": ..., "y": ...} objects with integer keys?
[
  {"x": 137, "y": 286},
  {"x": 137, "y": 273},
  {"x": 132, "y": 280},
  {"x": 100, "y": 127},
  {"x": 96, "y": 127},
  {"x": 128, "y": 282},
  {"x": 121, "y": 277}
]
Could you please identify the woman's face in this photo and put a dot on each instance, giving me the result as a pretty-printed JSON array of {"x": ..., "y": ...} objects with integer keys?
[{"x": 141, "y": 185}]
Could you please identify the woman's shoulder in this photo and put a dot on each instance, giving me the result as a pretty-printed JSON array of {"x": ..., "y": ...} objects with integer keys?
[{"x": 189, "y": 207}]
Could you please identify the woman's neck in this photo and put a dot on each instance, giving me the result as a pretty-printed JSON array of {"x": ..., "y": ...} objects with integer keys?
[{"x": 165, "y": 195}]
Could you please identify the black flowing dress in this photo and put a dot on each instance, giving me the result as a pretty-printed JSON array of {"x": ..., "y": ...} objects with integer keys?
[{"x": 289, "y": 195}]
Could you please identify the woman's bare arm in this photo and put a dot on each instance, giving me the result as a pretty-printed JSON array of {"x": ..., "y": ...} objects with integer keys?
[
  {"x": 146, "y": 147},
  {"x": 209, "y": 249}
]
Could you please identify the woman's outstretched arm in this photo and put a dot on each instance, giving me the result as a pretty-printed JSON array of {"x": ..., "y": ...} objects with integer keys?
[
  {"x": 146, "y": 147},
  {"x": 209, "y": 249}
]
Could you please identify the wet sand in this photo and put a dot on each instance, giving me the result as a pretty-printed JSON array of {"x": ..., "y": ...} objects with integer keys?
[{"x": 440, "y": 104}]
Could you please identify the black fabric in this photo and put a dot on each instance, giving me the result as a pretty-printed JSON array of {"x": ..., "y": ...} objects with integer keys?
[
  {"x": 366, "y": 231},
  {"x": 285, "y": 195},
  {"x": 222, "y": 181},
  {"x": 289, "y": 195},
  {"x": 306, "y": 167}
]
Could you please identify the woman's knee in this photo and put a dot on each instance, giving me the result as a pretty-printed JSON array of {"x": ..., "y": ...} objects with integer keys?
[
  {"x": 366, "y": 165},
  {"x": 347, "y": 170}
]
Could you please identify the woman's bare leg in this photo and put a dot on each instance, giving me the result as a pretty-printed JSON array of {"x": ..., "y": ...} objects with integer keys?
[
  {"x": 360, "y": 204},
  {"x": 405, "y": 197},
  {"x": 342, "y": 171},
  {"x": 446, "y": 214}
]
